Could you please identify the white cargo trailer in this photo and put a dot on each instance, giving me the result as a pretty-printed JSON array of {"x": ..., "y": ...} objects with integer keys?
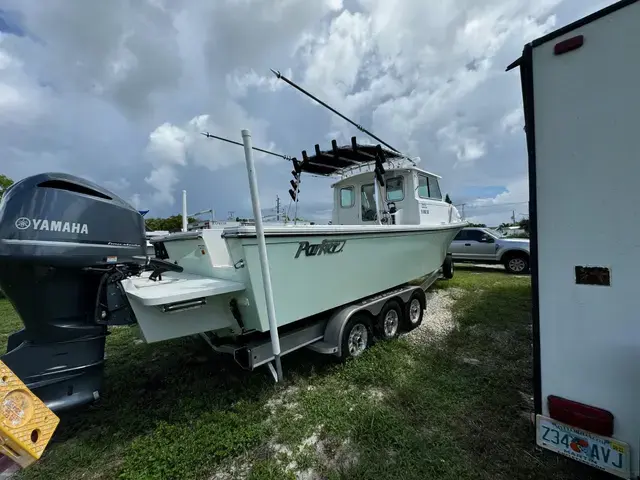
[{"x": 581, "y": 94}]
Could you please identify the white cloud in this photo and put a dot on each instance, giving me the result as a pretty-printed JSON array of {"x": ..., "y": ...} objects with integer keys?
[
  {"x": 171, "y": 148},
  {"x": 238, "y": 84},
  {"x": 513, "y": 122},
  {"x": 21, "y": 102},
  {"x": 516, "y": 191},
  {"x": 11, "y": 99},
  {"x": 136, "y": 201},
  {"x": 124, "y": 100},
  {"x": 118, "y": 184},
  {"x": 168, "y": 145},
  {"x": 335, "y": 57},
  {"x": 500, "y": 208},
  {"x": 462, "y": 142}
]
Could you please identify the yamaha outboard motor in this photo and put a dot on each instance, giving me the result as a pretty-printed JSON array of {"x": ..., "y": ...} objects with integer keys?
[{"x": 65, "y": 243}]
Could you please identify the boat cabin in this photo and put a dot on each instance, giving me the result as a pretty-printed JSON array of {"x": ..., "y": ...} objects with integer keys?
[
  {"x": 412, "y": 193},
  {"x": 377, "y": 186}
]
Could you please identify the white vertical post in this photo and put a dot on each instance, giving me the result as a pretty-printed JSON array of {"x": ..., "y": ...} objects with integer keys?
[
  {"x": 262, "y": 250},
  {"x": 377, "y": 197},
  {"x": 184, "y": 210}
]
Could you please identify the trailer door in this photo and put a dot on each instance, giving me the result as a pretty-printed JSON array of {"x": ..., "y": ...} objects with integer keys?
[{"x": 581, "y": 90}]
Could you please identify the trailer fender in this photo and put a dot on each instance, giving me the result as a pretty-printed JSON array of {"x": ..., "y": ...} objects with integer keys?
[{"x": 334, "y": 331}]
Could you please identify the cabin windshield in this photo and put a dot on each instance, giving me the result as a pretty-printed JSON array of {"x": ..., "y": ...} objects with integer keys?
[{"x": 395, "y": 189}]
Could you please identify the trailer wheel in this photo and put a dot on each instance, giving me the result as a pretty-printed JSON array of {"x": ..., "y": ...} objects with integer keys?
[
  {"x": 356, "y": 336},
  {"x": 447, "y": 267},
  {"x": 389, "y": 320},
  {"x": 414, "y": 310}
]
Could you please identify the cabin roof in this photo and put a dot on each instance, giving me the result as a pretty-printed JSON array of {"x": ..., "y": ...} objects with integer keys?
[
  {"x": 337, "y": 159},
  {"x": 367, "y": 176}
]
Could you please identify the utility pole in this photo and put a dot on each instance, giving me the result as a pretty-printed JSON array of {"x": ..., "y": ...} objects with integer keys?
[
  {"x": 277, "y": 208},
  {"x": 513, "y": 216}
]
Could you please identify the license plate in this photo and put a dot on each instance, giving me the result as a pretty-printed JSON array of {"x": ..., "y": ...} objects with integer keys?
[{"x": 601, "y": 452}]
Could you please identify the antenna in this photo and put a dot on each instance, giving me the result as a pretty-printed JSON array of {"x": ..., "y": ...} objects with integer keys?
[{"x": 359, "y": 127}]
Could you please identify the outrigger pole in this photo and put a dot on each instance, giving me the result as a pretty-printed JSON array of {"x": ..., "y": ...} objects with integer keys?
[
  {"x": 294, "y": 160},
  {"x": 286, "y": 157},
  {"x": 359, "y": 127}
]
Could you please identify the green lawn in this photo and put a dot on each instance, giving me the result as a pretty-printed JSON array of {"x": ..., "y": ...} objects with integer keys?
[{"x": 456, "y": 408}]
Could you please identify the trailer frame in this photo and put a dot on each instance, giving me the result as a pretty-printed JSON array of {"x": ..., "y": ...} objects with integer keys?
[{"x": 323, "y": 335}]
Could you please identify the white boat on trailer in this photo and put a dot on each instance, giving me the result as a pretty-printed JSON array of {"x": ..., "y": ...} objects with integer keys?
[
  {"x": 254, "y": 291},
  {"x": 321, "y": 275}
]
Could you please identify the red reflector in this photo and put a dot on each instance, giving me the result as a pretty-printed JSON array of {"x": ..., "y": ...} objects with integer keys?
[
  {"x": 592, "y": 419},
  {"x": 569, "y": 44}
]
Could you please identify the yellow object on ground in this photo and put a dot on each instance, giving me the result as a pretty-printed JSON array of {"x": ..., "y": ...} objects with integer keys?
[{"x": 26, "y": 424}]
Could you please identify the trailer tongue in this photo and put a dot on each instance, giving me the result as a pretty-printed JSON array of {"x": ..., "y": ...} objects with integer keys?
[{"x": 581, "y": 103}]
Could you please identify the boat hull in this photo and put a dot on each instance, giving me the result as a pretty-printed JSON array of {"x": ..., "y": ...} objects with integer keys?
[{"x": 313, "y": 273}]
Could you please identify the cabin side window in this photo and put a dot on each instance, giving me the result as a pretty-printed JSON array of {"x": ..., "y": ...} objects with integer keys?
[
  {"x": 423, "y": 186},
  {"x": 395, "y": 189},
  {"x": 428, "y": 187},
  {"x": 434, "y": 188},
  {"x": 347, "y": 197}
]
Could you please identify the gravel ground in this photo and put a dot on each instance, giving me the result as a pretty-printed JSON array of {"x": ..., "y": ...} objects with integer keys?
[{"x": 438, "y": 320}]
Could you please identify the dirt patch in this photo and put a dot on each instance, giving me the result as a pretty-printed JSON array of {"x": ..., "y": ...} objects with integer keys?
[
  {"x": 283, "y": 399},
  {"x": 310, "y": 458},
  {"x": 438, "y": 319},
  {"x": 238, "y": 469},
  {"x": 315, "y": 455},
  {"x": 375, "y": 394}
]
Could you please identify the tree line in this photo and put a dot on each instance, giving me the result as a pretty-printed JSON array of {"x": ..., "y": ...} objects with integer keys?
[
  {"x": 171, "y": 223},
  {"x": 5, "y": 182}
]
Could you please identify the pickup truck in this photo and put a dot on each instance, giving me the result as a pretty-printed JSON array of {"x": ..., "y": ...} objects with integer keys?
[{"x": 487, "y": 246}]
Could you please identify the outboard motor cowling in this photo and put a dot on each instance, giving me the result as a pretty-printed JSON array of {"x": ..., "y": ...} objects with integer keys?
[{"x": 65, "y": 243}]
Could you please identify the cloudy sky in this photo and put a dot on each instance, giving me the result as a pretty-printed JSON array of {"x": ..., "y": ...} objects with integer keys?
[{"x": 119, "y": 91}]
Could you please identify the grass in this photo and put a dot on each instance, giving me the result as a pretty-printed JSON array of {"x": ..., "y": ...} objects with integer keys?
[{"x": 402, "y": 411}]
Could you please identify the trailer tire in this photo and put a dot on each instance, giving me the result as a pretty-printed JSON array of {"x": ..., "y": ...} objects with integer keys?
[
  {"x": 447, "y": 267},
  {"x": 389, "y": 320},
  {"x": 414, "y": 310},
  {"x": 356, "y": 336}
]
